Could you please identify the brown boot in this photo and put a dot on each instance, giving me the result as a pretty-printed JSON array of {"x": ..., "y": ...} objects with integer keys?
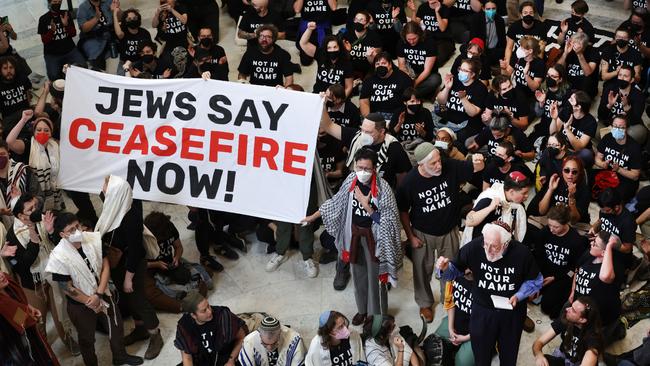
[
  {"x": 155, "y": 346},
  {"x": 427, "y": 314}
]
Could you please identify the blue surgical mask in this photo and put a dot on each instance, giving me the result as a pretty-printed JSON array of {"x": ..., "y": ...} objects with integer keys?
[
  {"x": 618, "y": 133},
  {"x": 490, "y": 13},
  {"x": 463, "y": 76}
]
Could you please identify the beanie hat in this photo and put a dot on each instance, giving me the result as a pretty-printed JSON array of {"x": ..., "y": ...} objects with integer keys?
[
  {"x": 422, "y": 152},
  {"x": 479, "y": 42},
  {"x": 449, "y": 131}
]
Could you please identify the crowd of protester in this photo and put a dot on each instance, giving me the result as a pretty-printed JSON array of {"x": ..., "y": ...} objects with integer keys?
[{"x": 487, "y": 172}]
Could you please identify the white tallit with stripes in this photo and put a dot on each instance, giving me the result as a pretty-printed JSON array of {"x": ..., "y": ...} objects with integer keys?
[
  {"x": 44, "y": 160},
  {"x": 382, "y": 154}
]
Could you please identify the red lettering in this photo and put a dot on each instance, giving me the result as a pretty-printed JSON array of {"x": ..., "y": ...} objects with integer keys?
[
  {"x": 164, "y": 141},
  {"x": 215, "y": 144},
  {"x": 188, "y": 143},
  {"x": 137, "y": 141},
  {"x": 105, "y": 136},
  {"x": 290, "y": 158},
  {"x": 74, "y": 133},
  {"x": 260, "y": 153},
  {"x": 242, "y": 150}
]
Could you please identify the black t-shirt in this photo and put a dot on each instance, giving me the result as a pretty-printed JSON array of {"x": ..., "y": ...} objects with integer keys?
[
  {"x": 516, "y": 136},
  {"x": 272, "y": 357},
  {"x": 606, "y": 295},
  {"x": 575, "y": 74},
  {"x": 558, "y": 256},
  {"x": 516, "y": 104},
  {"x": 408, "y": 132},
  {"x": 578, "y": 338},
  {"x": 65, "y": 278},
  {"x": 349, "y": 117},
  {"x": 166, "y": 245},
  {"x": 130, "y": 42},
  {"x": 217, "y": 71},
  {"x": 161, "y": 65},
  {"x": 583, "y": 126},
  {"x": 386, "y": 94},
  {"x": 561, "y": 197},
  {"x": 13, "y": 95},
  {"x": 397, "y": 161},
  {"x": 549, "y": 165},
  {"x": 415, "y": 56},
  {"x": 461, "y": 8},
  {"x": 627, "y": 156},
  {"x": 341, "y": 354},
  {"x": 492, "y": 174},
  {"x": 622, "y": 225},
  {"x": 485, "y": 73},
  {"x": 251, "y": 20},
  {"x": 62, "y": 42},
  {"x": 643, "y": 201},
  {"x": 315, "y": 11},
  {"x": 329, "y": 73},
  {"x": 462, "y": 297},
  {"x": 553, "y": 96},
  {"x": 381, "y": 12},
  {"x": 516, "y": 31},
  {"x": 206, "y": 333},
  {"x": 503, "y": 277},
  {"x": 492, "y": 216},
  {"x": 360, "y": 216},
  {"x": 359, "y": 48},
  {"x": 585, "y": 26},
  {"x": 476, "y": 93},
  {"x": 266, "y": 69},
  {"x": 433, "y": 203},
  {"x": 537, "y": 70},
  {"x": 430, "y": 22},
  {"x": 172, "y": 31},
  {"x": 636, "y": 99},
  {"x": 614, "y": 58},
  {"x": 330, "y": 151}
]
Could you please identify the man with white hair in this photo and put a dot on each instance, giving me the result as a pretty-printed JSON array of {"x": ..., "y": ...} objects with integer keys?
[
  {"x": 272, "y": 344},
  {"x": 505, "y": 274},
  {"x": 429, "y": 209}
]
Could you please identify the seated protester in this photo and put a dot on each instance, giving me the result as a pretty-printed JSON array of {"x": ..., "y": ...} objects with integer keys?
[
  {"x": 528, "y": 68},
  {"x": 473, "y": 50},
  {"x": 363, "y": 44},
  {"x": 203, "y": 66},
  {"x": 624, "y": 98},
  {"x": 393, "y": 162},
  {"x": 318, "y": 12},
  {"x": 31, "y": 234},
  {"x": 170, "y": 20},
  {"x": 491, "y": 28},
  {"x": 341, "y": 110},
  {"x": 500, "y": 129},
  {"x": 577, "y": 23},
  {"x": 256, "y": 15},
  {"x": 208, "y": 335},
  {"x": 388, "y": 18},
  {"x": 383, "y": 346},
  {"x": 508, "y": 100},
  {"x": 149, "y": 66},
  {"x": 528, "y": 25},
  {"x": 599, "y": 275},
  {"x": 621, "y": 154},
  {"x": 334, "y": 66},
  {"x": 555, "y": 88},
  {"x": 577, "y": 124},
  {"x": 272, "y": 344},
  {"x": 463, "y": 98},
  {"x": 433, "y": 17},
  {"x": 455, "y": 325},
  {"x": 21, "y": 343},
  {"x": 499, "y": 202},
  {"x": 95, "y": 21},
  {"x": 129, "y": 33},
  {"x": 332, "y": 159},
  {"x": 416, "y": 56},
  {"x": 278, "y": 69},
  {"x": 460, "y": 17},
  {"x": 202, "y": 13},
  {"x": 382, "y": 90},
  {"x": 582, "y": 339},
  {"x": 15, "y": 94},
  {"x": 639, "y": 24},
  {"x": 615, "y": 218},
  {"x": 568, "y": 188},
  {"x": 503, "y": 163},
  {"x": 15, "y": 179},
  {"x": 335, "y": 343},
  {"x": 581, "y": 62},
  {"x": 80, "y": 265},
  {"x": 552, "y": 159},
  {"x": 216, "y": 63},
  {"x": 557, "y": 251},
  {"x": 170, "y": 250},
  {"x": 57, "y": 30},
  {"x": 414, "y": 122},
  {"x": 445, "y": 139},
  {"x": 619, "y": 53}
]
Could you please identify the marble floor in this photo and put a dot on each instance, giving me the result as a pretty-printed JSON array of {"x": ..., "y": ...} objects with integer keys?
[{"x": 244, "y": 285}]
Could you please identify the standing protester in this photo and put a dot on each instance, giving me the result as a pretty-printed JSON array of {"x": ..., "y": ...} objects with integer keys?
[
  {"x": 57, "y": 31},
  {"x": 257, "y": 15},
  {"x": 502, "y": 267},
  {"x": 170, "y": 20},
  {"x": 129, "y": 32},
  {"x": 428, "y": 200},
  {"x": 267, "y": 64},
  {"x": 335, "y": 343},
  {"x": 15, "y": 95},
  {"x": 95, "y": 21},
  {"x": 80, "y": 266},
  {"x": 272, "y": 344}
]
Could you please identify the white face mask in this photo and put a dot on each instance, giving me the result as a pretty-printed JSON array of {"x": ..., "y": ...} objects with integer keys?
[
  {"x": 521, "y": 53},
  {"x": 441, "y": 144},
  {"x": 365, "y": 139},
  {"x": 75, "y": 237},
  {"x": 364, "y": 176}
]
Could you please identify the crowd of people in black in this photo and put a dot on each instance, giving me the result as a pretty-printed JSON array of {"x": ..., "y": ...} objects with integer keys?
[{"x": 482, "y": 177}]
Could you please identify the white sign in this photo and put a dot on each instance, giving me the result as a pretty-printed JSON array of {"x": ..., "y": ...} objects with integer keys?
[{"x": 213, "y": 144}]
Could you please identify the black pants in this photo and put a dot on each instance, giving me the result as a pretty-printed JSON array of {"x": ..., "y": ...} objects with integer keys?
[
  {"x": 555, "y": 295},
  {"x": 136, "y": 302},
  {"x": 84, "y": 205},
  {"x": 446, "y": 48},
  {"x": 490, "y": 327}
]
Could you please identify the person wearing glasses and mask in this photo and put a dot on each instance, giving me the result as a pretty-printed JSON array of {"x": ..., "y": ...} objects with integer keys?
[{"x": 272, "y": 344}]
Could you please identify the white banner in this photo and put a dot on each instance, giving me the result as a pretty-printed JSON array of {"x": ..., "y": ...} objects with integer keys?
[{"x": 218, "y": 145}]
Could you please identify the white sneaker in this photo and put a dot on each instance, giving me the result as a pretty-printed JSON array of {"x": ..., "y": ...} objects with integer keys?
[
  {"x": 275, "y": 262},
  {"x": 311, "y": 268}
]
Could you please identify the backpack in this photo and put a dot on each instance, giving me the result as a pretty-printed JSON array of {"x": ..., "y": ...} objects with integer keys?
[{"x": 438, "y": 351}]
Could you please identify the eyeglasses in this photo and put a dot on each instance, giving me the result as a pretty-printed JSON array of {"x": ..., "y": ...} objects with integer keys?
[
  {"x": 367, "y": 170},
  {"x": 570, "y": 171}
]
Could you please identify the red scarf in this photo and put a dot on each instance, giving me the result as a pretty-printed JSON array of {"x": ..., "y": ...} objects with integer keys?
[{"x": 14, "y": 308}]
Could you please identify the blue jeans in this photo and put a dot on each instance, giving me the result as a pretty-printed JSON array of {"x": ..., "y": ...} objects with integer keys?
[
  {"x": 94, "y": 46},
  {"x": 54, "y": 63}
]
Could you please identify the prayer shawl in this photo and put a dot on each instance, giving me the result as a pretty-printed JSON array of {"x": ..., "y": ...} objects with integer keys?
[
  {"x": 17, "y": 176},
  {"x": 382, "y": 155},
  {"x": 151, "y": 247},
  {"x": 320, "y": 356},
  {"x": 512, "y": 214},
  {"x": 65, "y": 260},
  {"x": 117, "y": 203},
  {"x": 44, "y": 160},
  {"x": 337, "y": 217},
  {"x": 290, "y": 350},
  {"x": 378, "y": 355},
  {"x": 4, "y": 266},
  {"x": 45, "y": 247}
]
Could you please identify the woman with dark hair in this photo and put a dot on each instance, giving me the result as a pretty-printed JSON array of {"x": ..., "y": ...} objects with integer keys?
[
  {"x": 335, "y": 343},
  {"x": 383, "y": 347},
  {"x": 414, "y": 122},
  {"x": 416, "y": 56},
  {"x": 129, "y": 32},
  {"x": 552, "y": 158},
  {"x": 334, "y": 66},
  {"x": 577, "y": 124},
  {"x": 363, "y": 44},
  {"x": 555, "y": 88}
]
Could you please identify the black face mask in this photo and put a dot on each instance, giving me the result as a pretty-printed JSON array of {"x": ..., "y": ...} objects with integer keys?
[
  {"x": 414, "y": 108},
  {"x": 381, "y": 71},
  {"x": 36, "y": 216},
  {"x": 576, "y": 18},
  {"x": 333, "y": 55},
  {"x": 499, "y": 161},
  {"x": 621, "y": 43},
  {"x": 553, "y": 151},
  {"x": 55, "y": 7},
  {"x": 635, "y": 28},
  {"x": 147, "y": 59},
  {"x": 528, "y": 19},
  {"x": 206, "y": 42},
  {"x": 359, "y": 27},
  {"x": 329, "y": 104},
  {"x": 623, "y": 84},
  {"x": 551, "y": 83},
  {"x": 134, "y": 23}
]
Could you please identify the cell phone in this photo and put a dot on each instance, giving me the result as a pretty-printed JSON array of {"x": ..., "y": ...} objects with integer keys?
[{"x": 4, "y": 20}]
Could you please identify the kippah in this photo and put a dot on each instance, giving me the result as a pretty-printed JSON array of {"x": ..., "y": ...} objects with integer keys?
[
  {"x": 269, "y": 324},
  {"x": 517, "y": 176},
  {"x": 323, "y": 318}
]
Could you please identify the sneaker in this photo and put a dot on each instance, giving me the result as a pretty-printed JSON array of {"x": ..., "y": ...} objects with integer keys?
[
  {"x": 227, "y": 252},
  {"x": 71, "y": 344},
  {"x": 211, "y": 262},
  {"x": 155, "y": 346},
  {"x": 342, "y": 276},
  {"x": 328, "y": 256},
  {"x": 138, "y": 334},
  {"x": 236, "y": 242},
  {"x": 128, "y": 360},
  {"x": 311, "y": 268},
  {"x": 275, "y": 262}
]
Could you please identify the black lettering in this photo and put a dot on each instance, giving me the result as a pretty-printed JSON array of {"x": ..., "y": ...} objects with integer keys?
[
  {"x": 198, "y": 184},
  {"x": 130, "y": 102},
  {"x": 179, "y": 178},
  {"x": 134, "y": 172},
  {"x": 274, "y": 116},
  {"x": 226, "y": 115},
  {"x": 243, "y": 116},
  {"x": 113, "y": 92},
  {"x": 181, "y": 103},
  {"x": 158, "y": 105}
]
